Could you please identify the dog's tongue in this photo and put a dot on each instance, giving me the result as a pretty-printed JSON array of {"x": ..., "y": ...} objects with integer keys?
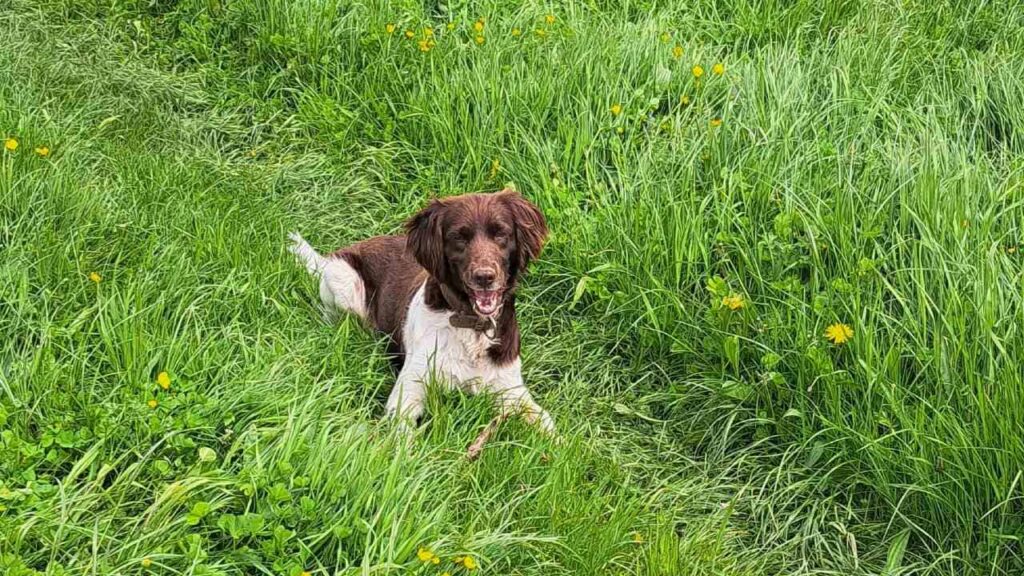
[{"x": 486, "y": 301}]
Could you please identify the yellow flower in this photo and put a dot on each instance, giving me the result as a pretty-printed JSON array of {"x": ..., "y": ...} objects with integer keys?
[
  {"x": 1011, "y": 250},
  {"x": 637, "y": 538},
  {"x": 839, "y": 333},
  {"x": 550, "y": 19},
  {"x": 478, "y": 25},
  {"x": 718, "y": 69},
  {"x": 426, "y": 556},
  {"x": 425, "y": 45},
  {"x": 446, "y": 574},
  {"x": 495, "y": 167},
  {"x": 469, "y": 563},
  {"x": 665, "y": 37},
  {"x": 620, "y": 130},
  {"x": 677, "y": 52},
  {"x": 428, "y": 32},
  {"x": 152, "y": 403},
  {"x": 479, "y": 39},
  {"x": 616, "y": 109},
  {"x": 306, "y": 573},
  {"x": 410, "y": 34},
  {"x": 516, "y": 32},
  {"x": 684, "y": 99},
  {"x": 541, "y": 33},
  {"x": 11, "y": 144},
  {"x": 163, "y": 380},
  {"x": 450, "y": 26},
  {"x": 94, "y": 277},
  {"x": 698, "y": 71},
  {"x": 43, "y": 151},
  {"x": 716, "y": 122},
  {"x": 146, "y": 562},
  {"x": 435, "y": 560},
  {"x": 733, "y": 302},
  {"x": 390, "y": 28}
]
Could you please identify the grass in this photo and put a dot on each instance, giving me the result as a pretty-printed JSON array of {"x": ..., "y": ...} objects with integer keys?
[{"x": 867, "y": 170}]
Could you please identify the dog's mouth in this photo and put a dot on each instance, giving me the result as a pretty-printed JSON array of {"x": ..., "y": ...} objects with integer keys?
[{"x": 485, "y": 302}]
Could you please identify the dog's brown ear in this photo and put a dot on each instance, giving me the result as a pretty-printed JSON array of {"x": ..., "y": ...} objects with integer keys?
[
  {"x": 531, "y": 228},
  {"x": 426, "y": 239}
]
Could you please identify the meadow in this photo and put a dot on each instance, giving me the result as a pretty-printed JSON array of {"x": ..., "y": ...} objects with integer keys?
[{"x": 778, "y": 321}]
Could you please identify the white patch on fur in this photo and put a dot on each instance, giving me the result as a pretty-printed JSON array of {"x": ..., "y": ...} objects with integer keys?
[
  {"x": 341, "y": 287},
  {"x": 456, "y": 357}
]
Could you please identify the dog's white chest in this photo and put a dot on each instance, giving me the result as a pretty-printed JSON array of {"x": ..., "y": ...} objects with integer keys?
[{"x": 456, "y": 354}]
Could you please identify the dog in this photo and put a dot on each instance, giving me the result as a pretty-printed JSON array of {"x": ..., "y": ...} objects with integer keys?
[{"x": 444, "y": 294}]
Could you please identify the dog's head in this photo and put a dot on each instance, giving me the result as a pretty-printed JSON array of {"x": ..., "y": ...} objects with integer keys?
[{"x": 478, "y": 244}]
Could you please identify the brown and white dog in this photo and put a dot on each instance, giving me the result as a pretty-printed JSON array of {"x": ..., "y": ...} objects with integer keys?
[{"x": 445, "y": 295}]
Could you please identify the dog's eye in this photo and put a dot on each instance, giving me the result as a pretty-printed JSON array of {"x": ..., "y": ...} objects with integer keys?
[{"x": 500, "y": 234}]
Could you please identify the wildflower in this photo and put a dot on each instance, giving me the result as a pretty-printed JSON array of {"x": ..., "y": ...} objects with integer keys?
[
  {"x": 450, "y": 26},
  {"x": 478, "y": 25},
  {"x": 839, "y": 333},
  {"x": 146, "y": 562},
  {"x": 469, "y": 563},
  {"x": 516, "y": 32},
  {"x": 410, "y": 34},
  {"x": 540, "y": 32},
  {"x": 446, "y": 574},
  {"x": 620, "y": 130},
  {"x": 638, "y": 538},
  {"x": 163, "y": 380},
  {"x": 152, "y": 403},
  {"x": 733, "y": 302},
  {"x": 677, "y": 52},
  {"x": 698, "y": 71},
  {"x": 42, "y": 151},
  {"x": 425, "y": 45},
  {"x": 428, "y": 32},
  {"x": 616, "y": 109},
  {"x": 550, "y": 19},
  {"x": 94, "y": 277},
  {"x": 716, "y": 122},
  {"x": 665, "y": 37},
  {"x": 427, "y": 557},
  {"x": 390, "y": 28},
  {"x": 10, "y": 144},
  {"x": 305, "y": 573},
  {"x": 495, "y": 167},
  {"x": 480, "y": 39},
  {"x": 684, "y": 99},
  {"x": 718, "y": 69}
]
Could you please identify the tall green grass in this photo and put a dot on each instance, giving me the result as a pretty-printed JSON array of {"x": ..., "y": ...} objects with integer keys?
[{"x": 867, "y": 170}]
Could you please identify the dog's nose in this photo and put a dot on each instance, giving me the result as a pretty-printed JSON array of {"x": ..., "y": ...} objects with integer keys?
[{"x": 484, "y": 277}]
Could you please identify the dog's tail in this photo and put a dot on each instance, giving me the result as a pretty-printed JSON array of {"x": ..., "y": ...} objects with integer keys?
[{"x": 309, "y": 257}]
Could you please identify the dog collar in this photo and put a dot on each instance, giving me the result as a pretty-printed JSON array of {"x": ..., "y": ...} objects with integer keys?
[{"x": 473, "y": 321}]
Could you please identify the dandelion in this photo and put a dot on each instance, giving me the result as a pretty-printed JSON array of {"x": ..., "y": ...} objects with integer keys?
[
  {"x": 410, "y": 34},
  {"x": 839, "y": 333},
  {"x": 616, "y": 109},
  {"x": 698, "y": 71},
  {"x": 550, "y": 19},
  {"x": 94, "y": 277},
  {"x": 428, "y": 32},
  {"x": 389, "y": 28},
  {"x": 479, "y": 40},
  {"x": 733, "y": 302},
  {"x": 716, "y": 122},
  {"x": 450, "y": 26},
  {"x": 152, "y": 403},
  {"x": 540, "y": 32},
  {"x": 10, "y": 144},
  {"x": 479, "y": 25},
  {"x": 426, "y": 556},
  {"x": 620, "y": 130},
  {"x": 718, "y": 69},
  {"x": 677, "y": 52},
  {"x": 424, "y": 45},
  {"x": 42, "y": 151},
  {"x": 469, "y": 563},
  {"x": 305, "y": 573},
  {"x": 684, "y": 100},
  {"x": 665, "y": 37},
  {"x": 163, "y": 380},
  {"x": 516, "y": 32},
  {"x": 638, "y": 538},
  {"x": 146, "y": 562}
]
